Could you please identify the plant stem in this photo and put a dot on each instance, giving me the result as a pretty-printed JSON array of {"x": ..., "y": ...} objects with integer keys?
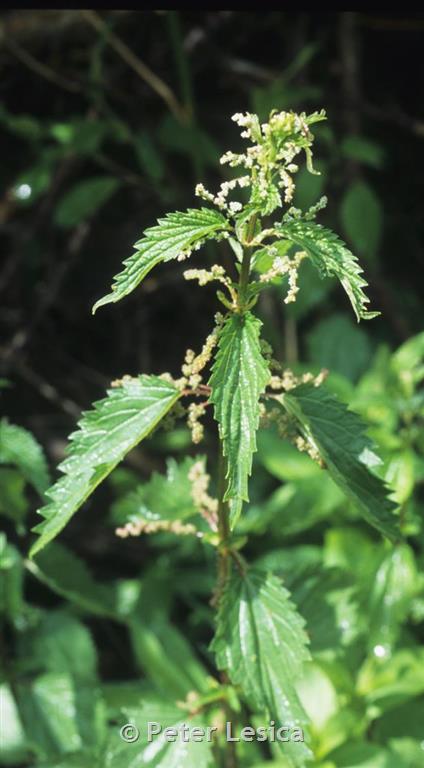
[
  {"x": 224, "y": 565},
  {"x": 244, "y": 276},
  {"x": 223, "y": 524},
  {"x": 224, "y": 552},
  {"x": 245, "y": 265},
  {"x": 290, "y": 333}
]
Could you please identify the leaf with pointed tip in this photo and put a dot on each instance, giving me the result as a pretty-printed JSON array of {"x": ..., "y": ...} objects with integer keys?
[
  {"x": 239, "y": 376},
  {"x": 260, "y": 641},
  {"x": 332, "y": 258},
  {"x": 347, "y": 451},
  {"x": 19, "y": 447},
  {"x": 105, "y": 435},
  {"x": 175, "y": 233}
]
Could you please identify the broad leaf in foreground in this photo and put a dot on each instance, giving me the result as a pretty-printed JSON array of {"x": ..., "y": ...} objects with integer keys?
[
  {"x": 158, "y": 753},
  {"x": 347, "y": 451},
  {"x": 332, "y": 258},
  {"x": 239, "y": 376},
  {"x": 260, "y": 641},
  {"x": 175, "y": 234},
  {"x": 105, "y": 435}
]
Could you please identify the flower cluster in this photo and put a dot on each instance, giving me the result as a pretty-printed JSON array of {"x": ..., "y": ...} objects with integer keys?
[
  {"x": 218, "y": 273},
  {"x": 183, "y": 255},
  {"x": 275, "y": 417},
  {"x": 220, "y": 199},
  {"x": 269, "y": 160},
  {"x": 195, "y": 413},
  {"x": 288, "y": 380},
  {"x": 283, "y": 265},
  {"x": 207, "y": 506},
  {"x": 310, "y": 214},
  {"x": 307, "y": 445},
  {"x": 194, "y": 364},
  {"x": 137, "y": 527}
]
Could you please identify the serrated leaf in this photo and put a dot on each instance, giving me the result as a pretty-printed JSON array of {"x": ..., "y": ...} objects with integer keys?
[
  {"x": 332, "y": 258},
  {"x": 163, "y": 497},
  {"x": 260, "y": 641},
  {"x": 348, "y": 453},
  {"x": 19, "y": 447},
  {"x": 239, "y": 376},
  {"x": 173, "y": 234},
  {"x": 105, "y": 435}
]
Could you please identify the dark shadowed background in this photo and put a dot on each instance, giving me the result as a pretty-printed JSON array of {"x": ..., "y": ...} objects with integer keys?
[{"x": 108, "y": 120}]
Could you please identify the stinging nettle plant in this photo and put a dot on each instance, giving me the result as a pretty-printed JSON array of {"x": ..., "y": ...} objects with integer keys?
[{"x": 260, "y": 643}]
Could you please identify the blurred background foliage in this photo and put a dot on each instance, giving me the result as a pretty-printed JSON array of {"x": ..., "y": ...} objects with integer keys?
[{"x": 108, "y": 121}]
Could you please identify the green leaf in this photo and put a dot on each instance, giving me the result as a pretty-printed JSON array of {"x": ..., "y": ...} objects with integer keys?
[
  {"x": 166, "y": 657},
  {"x": 61, "y": 643},
  {"x": 11, "y": 582},
  {"x": 175, "y": 233},
  {"x": 364, "y": 150},
  {"x": 82, "y": 136},
  {"x": 324, "y": 598},
  {"x": 61, "y": 648},
  {"x": 348, "y": 453},
  {"x": 13, "y": 742},
  {"x": 239, "y": 376},
  {"x": 338, "y": 344},
  {"x": 186, "y": 139},
  {"x": 362, "y": 219},
  {"x": 105, "y": 435},
  {"x": 394, "y": 586},
  {"x": 260, "y": 641},
  {"x": 163, "y": 497},
  {"x": 282, "y": 459},
  {"x": 365, "y": 755},
  {"x": 19, "y": 447},
  {"x": 388, "y": 681},
  {"x": 403, "y": 721},
  {"x": 150, "y": 160},
  {"x": 332, "y": 258},
  {"x": 158, "y": 752},
  {"x": 67, "y": 575},
  {"x": 84, "y": 200},
  {"x": 13, "y": 503},
  {"x": 59, "y": 715}
]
